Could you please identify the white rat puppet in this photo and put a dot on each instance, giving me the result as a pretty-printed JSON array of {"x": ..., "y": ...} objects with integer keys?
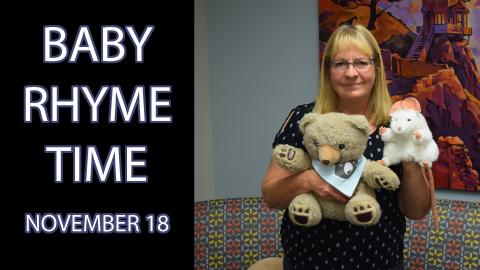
[{"x": 410, "y": 139}]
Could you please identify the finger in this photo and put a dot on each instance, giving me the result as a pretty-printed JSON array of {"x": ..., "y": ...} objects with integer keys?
[
  {"x": 339, "y": 198},
  {"x": 331, "y": 195},
  {"x": 323, "y": 194}
]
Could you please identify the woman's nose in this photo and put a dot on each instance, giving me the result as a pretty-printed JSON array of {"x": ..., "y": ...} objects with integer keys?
[{"x": 351, "y": 71}]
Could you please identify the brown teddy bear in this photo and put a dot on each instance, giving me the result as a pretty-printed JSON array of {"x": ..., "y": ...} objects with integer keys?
[{"x": 335, "y": 143}]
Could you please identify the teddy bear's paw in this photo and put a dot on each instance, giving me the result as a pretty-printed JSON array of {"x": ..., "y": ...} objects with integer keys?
[
  {"x": 388, "y": 180},
  {"x": 383, "y": 183},
  {"x": 287, "y": 153},
  {"x": 291, "y": 158},
  {"x": 304, "y": 210},
  {"x": 377, "y": 176},
  {"x": 363, "y": 211}
]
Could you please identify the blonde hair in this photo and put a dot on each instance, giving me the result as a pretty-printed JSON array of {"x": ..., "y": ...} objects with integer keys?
[{"x": 359, "y": 37}]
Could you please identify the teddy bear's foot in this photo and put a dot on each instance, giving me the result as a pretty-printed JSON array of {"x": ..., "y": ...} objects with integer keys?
[
  {"x": 304, "y": 210},
  {"x": 291, "y": 158},
  {"x": 363, "y": 210}
]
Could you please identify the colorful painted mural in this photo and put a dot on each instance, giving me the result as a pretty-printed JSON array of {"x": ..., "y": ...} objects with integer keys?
[{"x": 431, "y": 51}]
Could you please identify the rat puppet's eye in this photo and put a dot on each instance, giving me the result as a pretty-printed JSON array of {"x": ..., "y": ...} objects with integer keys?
[{"x": 408, "y": 119}]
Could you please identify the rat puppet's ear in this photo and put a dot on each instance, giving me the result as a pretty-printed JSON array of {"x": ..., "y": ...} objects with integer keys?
[
  {"x": 396, "y": 106},
  {"x": 307, "y": 119},
  {"x": 412, "y": 103}
]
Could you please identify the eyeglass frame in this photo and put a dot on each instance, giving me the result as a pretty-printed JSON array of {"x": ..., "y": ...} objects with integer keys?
[{"x": 371, "y": 61}]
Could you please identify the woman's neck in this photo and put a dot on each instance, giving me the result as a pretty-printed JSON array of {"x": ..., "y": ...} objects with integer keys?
[
  {"x": 358, "y": 108},
  {"x": 354, "y": 108}
]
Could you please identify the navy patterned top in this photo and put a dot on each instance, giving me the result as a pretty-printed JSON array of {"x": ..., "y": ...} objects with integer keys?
[{"x": 339, "y": 244}]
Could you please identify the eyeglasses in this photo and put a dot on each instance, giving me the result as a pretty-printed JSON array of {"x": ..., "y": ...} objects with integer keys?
[{"x": 359, "y": 64}]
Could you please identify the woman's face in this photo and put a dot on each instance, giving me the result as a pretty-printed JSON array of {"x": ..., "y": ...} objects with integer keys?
[{"x": 352, "y": 83}]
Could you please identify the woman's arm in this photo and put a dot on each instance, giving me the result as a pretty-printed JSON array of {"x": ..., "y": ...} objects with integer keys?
[
  {"x": 281, "y": 186},
  {"x": 414, "y": 196}
]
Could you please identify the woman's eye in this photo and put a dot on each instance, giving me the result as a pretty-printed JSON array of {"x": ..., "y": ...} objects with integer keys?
[
  {"x": 339, "y": 64},
  {"x": 362, "y": 63},
  {"x": 341, "y": 146},
  {"x": 316, "y": 142}
]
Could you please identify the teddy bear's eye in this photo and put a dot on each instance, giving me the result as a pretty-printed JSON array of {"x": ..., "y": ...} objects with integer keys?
[
  {"x": 341, "y": 146},
  {"x": 316, "y": 142}
]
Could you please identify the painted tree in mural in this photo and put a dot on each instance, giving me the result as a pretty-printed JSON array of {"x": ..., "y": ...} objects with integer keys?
[{"x": 372, "y": 4}]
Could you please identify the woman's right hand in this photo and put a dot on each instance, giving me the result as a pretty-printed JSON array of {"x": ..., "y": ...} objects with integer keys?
[
  {"x": 281, "y": 186},
  {"x": 322, "y": 189}
]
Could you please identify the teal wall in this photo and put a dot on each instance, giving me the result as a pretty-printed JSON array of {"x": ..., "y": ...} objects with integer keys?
[{"x": 254, "y": 61}]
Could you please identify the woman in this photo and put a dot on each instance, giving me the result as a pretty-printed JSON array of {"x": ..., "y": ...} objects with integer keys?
[{"x": 352, "y": 81}]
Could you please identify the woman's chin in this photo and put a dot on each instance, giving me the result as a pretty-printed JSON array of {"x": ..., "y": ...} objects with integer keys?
[{"x": 349, "y": 95}]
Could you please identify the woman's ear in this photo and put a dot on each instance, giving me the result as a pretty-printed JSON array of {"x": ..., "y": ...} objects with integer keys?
[
  {"x": 307, "y": 120},
  {"x": 412, "y": 103}
]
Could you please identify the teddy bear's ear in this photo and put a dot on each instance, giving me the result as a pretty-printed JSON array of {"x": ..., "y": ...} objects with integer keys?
[
  {"x": 359, "y": 122},
  {"x": 307, "y": 120}
]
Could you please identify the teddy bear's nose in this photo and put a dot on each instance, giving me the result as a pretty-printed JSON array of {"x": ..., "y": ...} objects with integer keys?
[{"x": 326, "y": 162}]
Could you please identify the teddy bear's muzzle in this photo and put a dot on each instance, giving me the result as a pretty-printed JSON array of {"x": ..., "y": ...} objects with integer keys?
[{"x": 328, "y": 155}]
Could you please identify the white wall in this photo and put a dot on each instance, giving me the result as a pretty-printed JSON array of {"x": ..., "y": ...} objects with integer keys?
[
  {"x": 263, "y": 57},
  {"x": 203, "y": 167},
  {"x": 254, "y": 61}
]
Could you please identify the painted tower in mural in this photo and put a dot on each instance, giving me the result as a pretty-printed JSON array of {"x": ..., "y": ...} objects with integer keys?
[{"x": 444, "y": 18}]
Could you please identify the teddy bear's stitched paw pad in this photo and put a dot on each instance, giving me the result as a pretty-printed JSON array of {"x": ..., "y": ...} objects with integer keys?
[
  {"x": 363, "y": 212},
  {"x": 291, "y": 158},
  {"x": 387, "y": 181},
  {"x": 304, "y": 212},
  {"x": 285, "y": 155},
  {"x": 382, "y": 182},
  {"x": 301, "y": 214}
]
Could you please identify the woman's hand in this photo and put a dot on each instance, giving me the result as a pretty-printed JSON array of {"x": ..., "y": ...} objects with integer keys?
[
  {"x": 322, "y": 189},
  {"x": 281, "y": 186},
  {"x": 414, "y": 195}
]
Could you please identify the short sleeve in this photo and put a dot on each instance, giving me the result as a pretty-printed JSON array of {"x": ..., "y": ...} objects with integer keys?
[{"x": 289, "y": 132}]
